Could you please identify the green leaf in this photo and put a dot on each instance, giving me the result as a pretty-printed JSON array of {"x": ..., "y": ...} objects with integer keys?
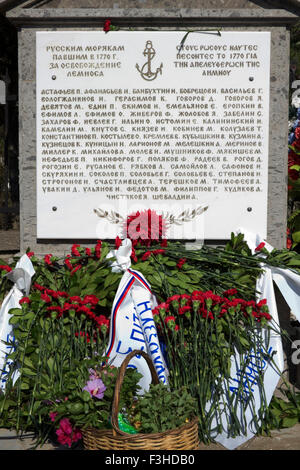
[
  {"x": 27, "y": 371},
  {"x": 75, "y": 408},
  {"x": 49, "y": 278},
  {"x": 111, "y": 279},
  {"x": 14, "y": 320},
  {"x": 86, "y": 396},
  {"x": 9, "y": 403},
  {"x": 294, "y": 262},
  {"x": 50, "y": 363},
  {"x": 289, "y": 422},
  {"x": 244, "y": 341},
  {"x": 24, "y": 385},
  {"x": 15, "y": 311},
  {"x": 29, "y": 316},
  {"x": 296, "y": 236},
  {"x": 170, "y": 263},
  {"x": 173, "y": 281}
]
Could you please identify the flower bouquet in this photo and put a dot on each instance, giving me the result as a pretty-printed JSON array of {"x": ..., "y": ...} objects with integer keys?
[
  {"x": 86, "y": 399},
  {"x": 108, "y": 413},
  {"x": 203, "y": 334}
]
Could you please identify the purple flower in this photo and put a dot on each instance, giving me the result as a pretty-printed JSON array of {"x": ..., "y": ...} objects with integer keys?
[
  {"x": 95, "y": 387},
  {"x": 93, "y": 374}
]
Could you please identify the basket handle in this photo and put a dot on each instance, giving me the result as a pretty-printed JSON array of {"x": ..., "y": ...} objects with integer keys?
[{"x": 119, "y": 381}]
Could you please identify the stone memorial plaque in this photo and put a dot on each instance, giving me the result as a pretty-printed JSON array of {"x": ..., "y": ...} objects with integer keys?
[{"x": 130, "y": 121}]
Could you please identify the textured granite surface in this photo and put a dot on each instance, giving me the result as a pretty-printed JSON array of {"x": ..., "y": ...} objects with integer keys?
[
  {"x": 156, "y": 13},
  {"x": 152, "y": 4},
  {"x": 6, "y": 5}
]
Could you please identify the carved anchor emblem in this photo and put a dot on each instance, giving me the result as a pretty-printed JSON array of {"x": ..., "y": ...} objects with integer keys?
[{"x": 146, "y": 71}]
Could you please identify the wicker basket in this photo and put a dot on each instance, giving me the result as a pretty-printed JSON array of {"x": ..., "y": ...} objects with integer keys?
[{"x": 183, "y": 438}]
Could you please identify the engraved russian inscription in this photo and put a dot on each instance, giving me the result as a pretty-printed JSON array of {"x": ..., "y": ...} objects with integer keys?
[{"x": 185, "y": 127}]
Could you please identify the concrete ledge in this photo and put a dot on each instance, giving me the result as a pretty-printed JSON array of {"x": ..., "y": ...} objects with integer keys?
[{"x": 143, "y": 17}]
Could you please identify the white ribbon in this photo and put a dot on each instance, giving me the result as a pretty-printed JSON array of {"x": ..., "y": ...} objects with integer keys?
[
  {"x": 287, "y": 281},
  {"x": 21, "y": 276},
  {"x": 132, "y": 325}
]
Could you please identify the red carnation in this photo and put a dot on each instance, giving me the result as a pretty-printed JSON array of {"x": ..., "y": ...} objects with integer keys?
[
  {"x": 296, "y": 144},
  {"x": 47, "y": 259},
  {"x": 206, "y": 314},
  {"x": 30, "y": 254},
  {"x": 163, "y": 308},
  {"x": 24, "y": 300},
  {"x": 230, "y": 292},
  {"x": 159, "y": 252},
  {"x": 46, "y": 298},
  {"x": 145, "y": 227},
  {"x": 62, "y": 294},
  {"x": 293, "y": 174},
  {"x": 293, "y": 158},
  {"x": 169, "y": 318},
  {"x": 53, "y": 293},
  {"x": 260, "y": 246},
  {"x": 185, "y": 299},
  {"x": 98, "y": 249},
  {"x": 183, "y": 310},
  {"x": 181, "y": 262},
  {"x": 74, "y": 250},
  {"x": 76, "y": 269},
  {"x": 88, "y": 251},
  {"x": 197, "y": 295},
  {"x": 146, "y": 255},
  {"x": 133, "y": 255},
  {"x": 5, "y": 267},
  {"x": 68, "y": 263},
  {"x": 118, "y": 242},
  {"x": 90, "y": 299},
  {"x": 102, "y": 320},
  {"x": 103, "y": 323},
  {"x": 265, "y": 315},
  {"x": 106, "y": 26},
  {"x": 75, "y": 298},
  {"x": 39, "y": 287},
  {"x": 55, "y": 308},
  {"x": 262, "y": 302},
  {"x": 171, "y": 322},
  {"x": 289, "y": 242},
  {"x": 68, "y": 306},
  {"x": 155, "y": 312}
]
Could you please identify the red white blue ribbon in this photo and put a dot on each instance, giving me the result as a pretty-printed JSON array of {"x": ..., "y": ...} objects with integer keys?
[{"x": 132, "y": 325}]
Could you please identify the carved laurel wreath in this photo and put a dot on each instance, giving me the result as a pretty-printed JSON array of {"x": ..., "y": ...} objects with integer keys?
[
  {"x": 185, "y": 216},
  {"x": 112, "y": 216}
]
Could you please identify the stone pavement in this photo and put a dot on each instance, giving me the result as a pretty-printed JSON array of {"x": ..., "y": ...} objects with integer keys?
[{"x": 283, "y": 439}]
